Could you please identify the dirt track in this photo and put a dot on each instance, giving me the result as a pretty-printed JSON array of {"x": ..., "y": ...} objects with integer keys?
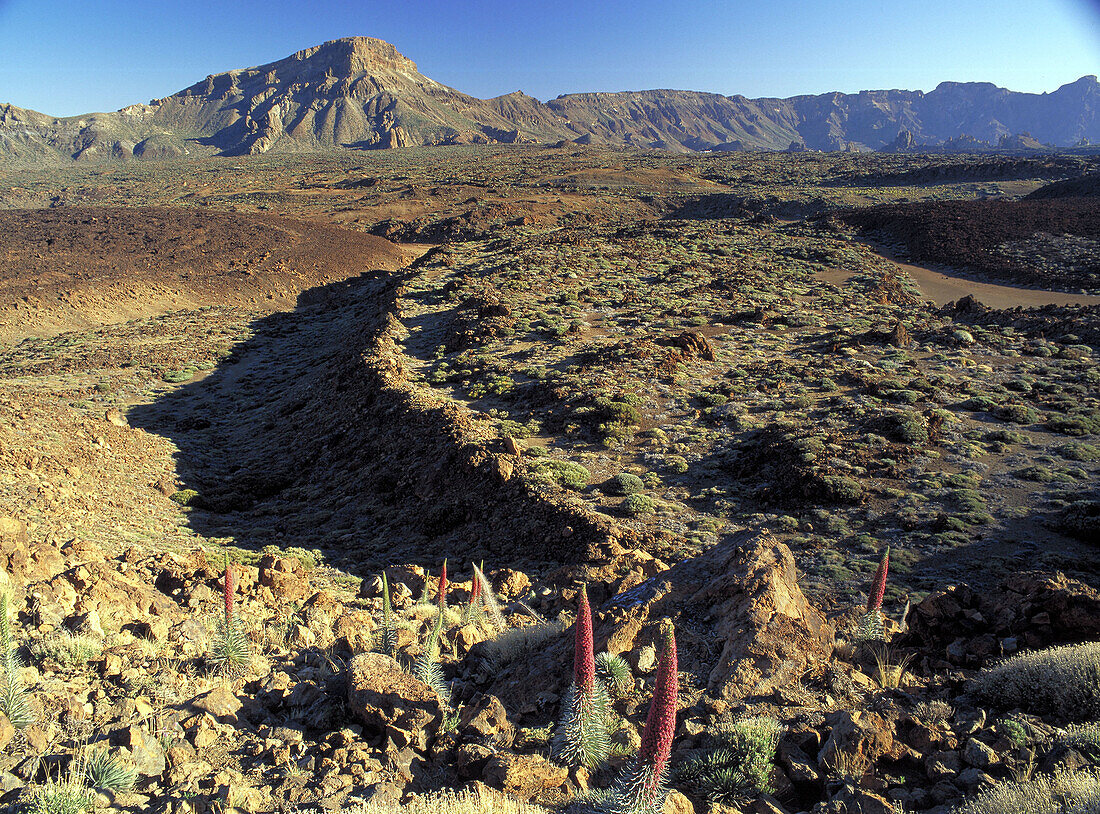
[{"x": 945, "y": 285}]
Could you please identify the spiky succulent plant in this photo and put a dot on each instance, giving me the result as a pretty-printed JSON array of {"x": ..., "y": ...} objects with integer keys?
[
  {"x": 386, "y": 638},
  {"x": 103, "y": 771},
  {"x": 427, "y": 667},
  {"x": 737, "y": 766},
  {"x": 582, "y": 737},
  {"x": 615, "y": 673},
  {"x": 13, "y": 695},
  {"x": 641, "y": 788},
  {"x": 232, "y": 651}
]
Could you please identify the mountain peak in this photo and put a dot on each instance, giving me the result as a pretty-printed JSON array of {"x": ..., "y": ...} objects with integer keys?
[
  {"x": 349, "y": 56},
  {"x": 362, "y": 93}
]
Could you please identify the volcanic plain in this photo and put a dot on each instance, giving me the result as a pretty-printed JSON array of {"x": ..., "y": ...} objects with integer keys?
[{"x": 567, "y": 363}]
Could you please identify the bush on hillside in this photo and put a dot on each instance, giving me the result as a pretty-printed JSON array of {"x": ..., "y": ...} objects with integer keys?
[{"x": 1064, "y": 681}]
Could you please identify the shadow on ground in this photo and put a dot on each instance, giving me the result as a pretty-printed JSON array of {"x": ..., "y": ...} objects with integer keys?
[{"x": 306, "y": 435}]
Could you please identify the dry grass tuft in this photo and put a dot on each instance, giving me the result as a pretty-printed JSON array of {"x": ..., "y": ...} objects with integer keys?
[
  {"x": 1064, "y": 793},
  {"x": 452, "y": 802}
]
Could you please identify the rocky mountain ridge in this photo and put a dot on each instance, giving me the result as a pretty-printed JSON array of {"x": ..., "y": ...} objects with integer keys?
[{"x": 361, "y": 93}]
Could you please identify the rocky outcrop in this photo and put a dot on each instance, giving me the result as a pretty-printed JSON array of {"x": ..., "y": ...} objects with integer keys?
[
  {"x": 751, "y": 629},
  {"x": 744, "y": 597},
  {"x": 1028, "y": 610},
  {"x": 390, "y": 702}
]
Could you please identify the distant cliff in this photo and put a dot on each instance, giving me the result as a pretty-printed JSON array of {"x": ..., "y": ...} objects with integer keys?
[{"x": 360, "y": 93}]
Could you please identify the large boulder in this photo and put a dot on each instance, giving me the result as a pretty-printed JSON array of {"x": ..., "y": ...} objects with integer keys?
[
  {"x": 748, "y": 626},
  {"x": 856, "y": 738},
  {"x": 742, "y": 596},
  {"x": 24, "y": 561},
  {"x": 390, "y": 702}
]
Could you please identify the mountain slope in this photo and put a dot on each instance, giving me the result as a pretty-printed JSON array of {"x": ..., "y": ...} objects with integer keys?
[
  {"x": 356, "y": 92},
  {"x": 360, "y": 93}
]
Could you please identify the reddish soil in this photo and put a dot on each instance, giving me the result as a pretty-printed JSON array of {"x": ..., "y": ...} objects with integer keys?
[{"x": 68, "y": 268}]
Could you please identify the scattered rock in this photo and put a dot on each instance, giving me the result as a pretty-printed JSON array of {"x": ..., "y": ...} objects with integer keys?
[
  {"x": 979, "y": 755},
  {"x": 220, "y": 702},
  {"x": 389, "y": 701}
]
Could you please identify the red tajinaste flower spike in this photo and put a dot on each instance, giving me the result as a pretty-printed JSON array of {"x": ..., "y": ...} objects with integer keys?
[
  {"x": 878, "y": 587},
  {"x": 660, "y": 724},
  {"x": 584, "y": 657},
  {"x": 228, "y": 588},
  {"x": 475, "y": 590},
  {"x": 443, "y": 586}
]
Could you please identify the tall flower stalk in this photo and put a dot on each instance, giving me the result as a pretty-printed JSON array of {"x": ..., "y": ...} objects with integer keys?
[
  {"x": 487, "y": 606},
  {"x": 878, "y": 587},
  {"x": 872, "y": 625},
  {"x": 442, "y": 594},
  {"x": 582, "y": 737},
  {"x": 474, "y": 611},
  {"x": 232, "y": 652},
  {"x": 642, "y": 788}
]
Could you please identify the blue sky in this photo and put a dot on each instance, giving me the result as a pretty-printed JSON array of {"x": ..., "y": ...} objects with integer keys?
[{"x": 78, "y": 56}]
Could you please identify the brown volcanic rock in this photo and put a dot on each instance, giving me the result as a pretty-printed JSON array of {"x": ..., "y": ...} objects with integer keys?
[
  {"x": 1010, "y": 240},
  {"x": 746, "y": 592},
  {"x": 1029, "y": 610},
  {"x": 741, "y": 595},
  {"x": 389, "y": 701}
]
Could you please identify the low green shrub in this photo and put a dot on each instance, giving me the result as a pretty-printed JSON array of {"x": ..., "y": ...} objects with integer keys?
[
  {"x": 1080, "y": 519},
  {"x": 1016, "y": 413},
  {"x": 1079, "y": 452},
  {"x": 677, "y": 464},
  {"x": 564, "y": 473},
  {"x": 185, "y": 497},
  {"x": 66, "y": 650},
  {"x": 1072, "y": 425},
  {"x": 178, "y": 376},
  {"x": 1085, "y": 738},
  {"x": 1063, "y": 681},
  {"x": 636, "y": 505},
  {"x": 906, "y": 426},
  {"x": 842, "y": 489},
  {"x": 624, "y": 484}
]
